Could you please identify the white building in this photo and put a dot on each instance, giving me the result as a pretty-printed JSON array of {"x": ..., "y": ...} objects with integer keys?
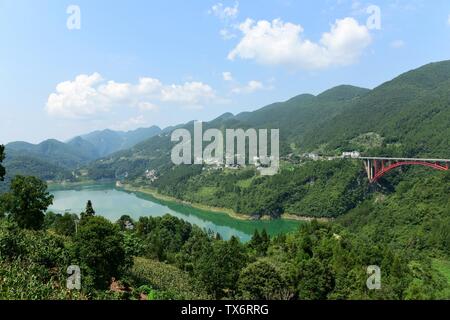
[{"x": 353, "y": 154}]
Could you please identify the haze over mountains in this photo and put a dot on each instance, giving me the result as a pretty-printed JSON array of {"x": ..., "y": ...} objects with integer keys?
[{"x": 53, "y": 159}]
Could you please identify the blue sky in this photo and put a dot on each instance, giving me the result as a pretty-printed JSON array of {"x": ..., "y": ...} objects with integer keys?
[{"x": 138, "y": 63}]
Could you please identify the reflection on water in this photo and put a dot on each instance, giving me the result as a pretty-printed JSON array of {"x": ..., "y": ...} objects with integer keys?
[{"x": 113, "y": 203}]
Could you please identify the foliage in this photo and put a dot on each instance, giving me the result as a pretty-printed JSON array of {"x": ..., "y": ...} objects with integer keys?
[
  {"x": 2, "y": 157},
  {"x": 32, "y": 264},
  {"x": 261, "y": 280},
  {"x": 414, "y": 218},
  {"x": 26, "y": 202},
  {"x": 100, "y": 250},
  {"x": 219, "y": 269},
  {"x": 62, "y": 224},
  {"x": 168, "y": 281},
  {"x": 89, "y": 211},
  {"x": 164, "y": 236},
  {"x": 406, "y": 112},
  {"x": 318, "y": 189},
  {"x": 401, "y": 225}
]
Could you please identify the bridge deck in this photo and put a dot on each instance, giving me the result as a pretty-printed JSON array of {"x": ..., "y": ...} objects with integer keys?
[{"x": 404, "y": 159}]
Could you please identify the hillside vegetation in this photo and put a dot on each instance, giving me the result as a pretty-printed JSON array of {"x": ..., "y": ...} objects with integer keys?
[
  {"x": 53, "y": 160},
  {"x": 408, "y": 116},
  {"x": 401, "y": 223}
]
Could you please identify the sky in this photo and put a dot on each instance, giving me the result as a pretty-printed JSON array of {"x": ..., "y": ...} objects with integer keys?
[{"x": 72, "y": 67}]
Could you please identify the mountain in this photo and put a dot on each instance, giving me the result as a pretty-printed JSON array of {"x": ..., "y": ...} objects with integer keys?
[
  {"x": 55, "y": 160},
  {"x": 108, "y": 141},
  {"x": 53, "y": 151},
  {"x": 293, "y": 117},
  {"x": 407, "y": 116}
]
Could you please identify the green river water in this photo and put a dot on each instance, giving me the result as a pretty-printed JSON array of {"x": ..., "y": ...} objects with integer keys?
[{"x": 112, "y": 203}]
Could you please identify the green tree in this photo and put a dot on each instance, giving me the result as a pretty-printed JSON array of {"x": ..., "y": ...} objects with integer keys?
[
  {"x": 260, "y": 242},
  {"x": 89, "y": 211},
  {"x": 255, "y": 241},
  {"x": 219, "y": 269},
  {"x": 2, "y": 157},
  {"x": 262, "y": 281},
  {"x": 11, "y": 240},
  {"x": 62, "y": 224},
  {"x": 27, "y": 201},
  {"x": 316, "y": 280},
  {"x": 197, "y": 245},
  {"x": 99, "y": 246}
]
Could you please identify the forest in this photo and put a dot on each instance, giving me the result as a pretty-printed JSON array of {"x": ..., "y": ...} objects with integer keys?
[
  {"x": 401, "y": 223},
  {"x": 405, "y": 234}
]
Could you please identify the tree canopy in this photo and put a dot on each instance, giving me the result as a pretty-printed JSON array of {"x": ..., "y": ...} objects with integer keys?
[{"x": 27, "y": 201}]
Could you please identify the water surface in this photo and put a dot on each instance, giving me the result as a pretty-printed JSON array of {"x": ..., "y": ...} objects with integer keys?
[{"x": 112, "y": 203}]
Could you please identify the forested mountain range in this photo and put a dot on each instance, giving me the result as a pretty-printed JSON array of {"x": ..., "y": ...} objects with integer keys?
[
  {"x": 407, "y": 116},
  {"x": 108, "y": 141},
  {"x": 56, "y": 160}
]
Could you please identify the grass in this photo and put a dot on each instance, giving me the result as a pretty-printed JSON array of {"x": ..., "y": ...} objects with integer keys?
[
  {"x": 206, "y": 192},
  {"x": 443, "y": 266},
  {"x": 167, "y": 278},
  {"x": 244, "y": 184}
]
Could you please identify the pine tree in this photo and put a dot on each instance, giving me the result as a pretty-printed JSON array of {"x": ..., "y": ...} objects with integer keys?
[
  {"x": 255, "y": 241},
  {"x": 89, "y": 212},
  {"x": 265, "y": 242}
]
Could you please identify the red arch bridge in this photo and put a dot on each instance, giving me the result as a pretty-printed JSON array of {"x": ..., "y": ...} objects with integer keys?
[{"x": 377, "y": 167}]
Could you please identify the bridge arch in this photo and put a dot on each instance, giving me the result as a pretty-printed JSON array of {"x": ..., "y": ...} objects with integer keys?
[{"x": 378, "y": 167}]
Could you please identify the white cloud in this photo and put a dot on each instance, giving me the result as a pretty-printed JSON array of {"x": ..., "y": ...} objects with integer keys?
[
  {"x": 227, "y": 76},
  {"x": 279, "y": 43},
  {"x": 115, "y": 90},
  {"x": 250, "y": 87},
  {"x": 191, "y": 93},
  {"x": 89, "y": 94},
  {"x": 227, "y": 34},
  {"x": 130, "y": 124},
  {"x": 224, "y": 13},
  {"x": 398, "y": 44},
  {"x": 147, "y": 106},
  {"x": 448, "y": 20},
  {"x": 80, "y": 94},
  {"x": 149, "y": 85}
]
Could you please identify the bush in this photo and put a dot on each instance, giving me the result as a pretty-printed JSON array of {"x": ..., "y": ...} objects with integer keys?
[{"x": 99, "y": 247}]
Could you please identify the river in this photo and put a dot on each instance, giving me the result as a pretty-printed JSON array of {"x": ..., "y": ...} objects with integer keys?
[{"x": 112, "y": 203}]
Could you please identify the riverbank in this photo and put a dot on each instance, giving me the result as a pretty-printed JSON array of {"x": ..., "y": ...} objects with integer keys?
[
  {"x": 231, "y": 213},
  {"x": 154, "y": 193},
  {"x": 70, "y": 185}
]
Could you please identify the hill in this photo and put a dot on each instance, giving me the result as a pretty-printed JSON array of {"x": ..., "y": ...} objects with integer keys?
[
  {"x": 294, "y": 117},
  {"x": 406, "y": 116},
  {"x": 55, "y": 160},
  {"x": 108, "y": 141},
  {"x": 58, "y": 153}
]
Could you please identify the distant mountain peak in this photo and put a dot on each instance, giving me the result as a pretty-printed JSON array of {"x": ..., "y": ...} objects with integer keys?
[
  {"x": 428, "y": 76},
  {"x": 343, "y": 92}
]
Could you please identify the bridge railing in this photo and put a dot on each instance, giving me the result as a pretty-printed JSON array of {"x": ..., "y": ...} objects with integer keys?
[{"x": 403, "y": 159}]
